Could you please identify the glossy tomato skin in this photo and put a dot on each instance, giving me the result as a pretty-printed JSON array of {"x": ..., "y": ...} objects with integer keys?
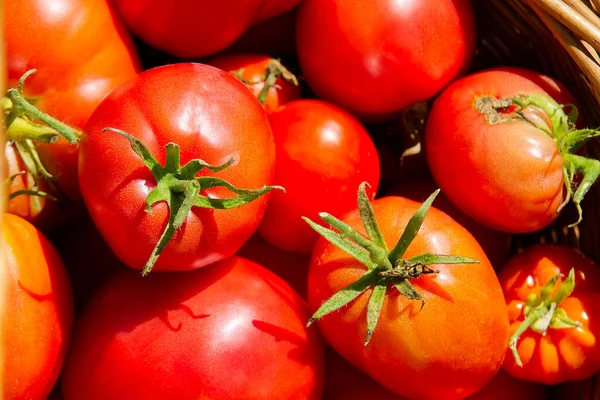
[
  {"x": 37, "y": 320},
  {"x": 449, "y": 349},
  {"x": 497, "y": 245},
  {"x": 383, "y": 55},
  {"x": 322, "y": 155},
  {"x": 231, "y": 331},
  {"x": 561, "y": 354},
  {"x": 210, "y": 115},
  {"x": 191, "y": 28},
  {"x": 506, "y": 176},
  {"x": 253, "y": 66},
  {"x": 344, "y": 382},
  {"x": 91, "y": 53}
]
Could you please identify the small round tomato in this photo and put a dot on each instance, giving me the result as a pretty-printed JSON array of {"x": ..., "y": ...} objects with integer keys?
[
  {"x": 344, "y": 382},
  {"x": 258, "y": 71},
  {"x": 496, "y": 156},
  {"x": 553, "y": 297},
  {"x": 497, "y": 245},
  {"x": 322, "y": 156},
  {"x": 90, "y": 54},
  {"x": 191, "y": 28},
  {"x": 38, "y": 313},
  {"x": 377, "y": 57},
  {"x": 211, "y": 117},
  {"x": 233, "y": 330},
  {"x": 392, "y": 305}
]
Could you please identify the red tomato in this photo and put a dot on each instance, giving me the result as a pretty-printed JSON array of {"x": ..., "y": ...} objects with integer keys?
[
  {"x": 323, "y": 154},
  {"x": 344, "y": 382},
  {"x": 550, "y": 355},
  {"x": 231, "y": 331},
  {"x": 252, "y": 68},
  {"x": 81, "y": 52},
  {"x": 191, "y": 28},
  {"x": 293, "y": 268},
  {"x": 450, "y": 348},
  {"x": 38, "y": 314},
  {"x": 381, "y": 56},
  {"x": 508, "y": 176},
  {"x": 496, "y": 245},
  {"x": 210, "y": 115}
]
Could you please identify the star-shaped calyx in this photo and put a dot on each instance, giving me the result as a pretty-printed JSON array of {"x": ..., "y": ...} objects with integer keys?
[
  {"x": 179, "y": 187},
  {"x": 384, "y": 268}
]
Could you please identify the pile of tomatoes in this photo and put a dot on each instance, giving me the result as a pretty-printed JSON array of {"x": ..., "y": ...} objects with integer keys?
[{"x": 285, "y": 199}]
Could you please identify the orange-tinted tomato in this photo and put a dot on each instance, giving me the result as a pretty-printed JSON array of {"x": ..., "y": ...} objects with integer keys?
[
  {"x": 418, "y": 353},
  {"x": 81, "y": 52},
  {"x": 558, "y": 355},
  {"x": 37, "y": 320}
]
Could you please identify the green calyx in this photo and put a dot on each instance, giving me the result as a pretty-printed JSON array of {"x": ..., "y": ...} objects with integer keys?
[
  {"x": 384, "y": 267},
  {"x": 275, "y": 70},
  {"x": 26, "y": 126},
  {"x": 179, "y": 187},
  {"x": 580, "y": 173},
  {"x": 542, "y": 312}
]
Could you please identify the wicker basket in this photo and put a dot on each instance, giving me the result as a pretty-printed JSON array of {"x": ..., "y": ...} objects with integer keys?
[{"x": 562, "y": 39}]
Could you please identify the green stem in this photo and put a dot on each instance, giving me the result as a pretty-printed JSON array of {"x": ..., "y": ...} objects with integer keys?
[
  {"x": 275, "y": 70},
  {"x": 72, "y": 135}
]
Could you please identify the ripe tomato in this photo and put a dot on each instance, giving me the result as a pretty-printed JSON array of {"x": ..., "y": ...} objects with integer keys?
[
  {"x": 293, "y": 268},
  {"x": 344, "y": 382},
  {"x": 231, "y": 331},
  {"x": 448, "y": 347},
  {"x": 38, "y": 314},
  {"x": 191, "y": 28},
  {"x": 497, "y": 245},
  {"x": 90, "y": 54},
  {"x": 256, "y": 71},
  {"x": 508, "y": 176},
  {"x": 323, "y": 154},
  {"x": 568, "y": 348},
  {"x": 383, "y": 55},
  {"x": 210, "y": 115}
]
